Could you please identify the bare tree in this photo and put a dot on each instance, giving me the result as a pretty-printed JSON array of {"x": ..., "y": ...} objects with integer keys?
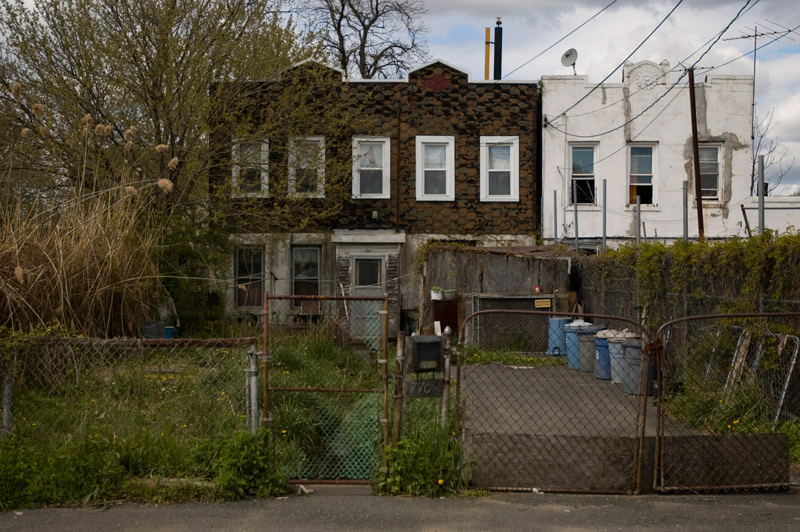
[
  {"x": 370, "y": 38},
  {"x": 773, "y": 151}
]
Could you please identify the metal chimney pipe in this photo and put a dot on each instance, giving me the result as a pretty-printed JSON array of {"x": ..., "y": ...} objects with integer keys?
[{"x": 498, "y": 50}]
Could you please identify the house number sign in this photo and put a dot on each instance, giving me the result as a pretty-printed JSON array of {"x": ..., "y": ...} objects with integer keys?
[{"x": 424, "y": 388}]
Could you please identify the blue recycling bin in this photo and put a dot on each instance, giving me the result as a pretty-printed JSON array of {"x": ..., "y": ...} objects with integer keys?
[
  {"x": 557, "y": 337},
  {"x": 602, "y": 358}
]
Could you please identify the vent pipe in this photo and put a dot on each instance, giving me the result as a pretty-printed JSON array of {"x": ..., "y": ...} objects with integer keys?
[{"x": 498, "y": 50}]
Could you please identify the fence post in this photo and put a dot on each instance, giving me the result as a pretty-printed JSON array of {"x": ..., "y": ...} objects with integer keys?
[
  {"x": 399, "y": 384},
  {"x": 252, "y": 388},
  {"x": 5, "y": 368},
  {"x": 385, "y": 361},
  {"x": 265, "y": 368},
  {"x": 446, "y": 336}
]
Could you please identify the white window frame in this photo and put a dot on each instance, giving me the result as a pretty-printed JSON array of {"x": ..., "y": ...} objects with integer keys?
[
  {"x": 654, "y": 166},
  {"x": 236, "y": 169},
  {"x": 718, "y": 195},
  {"x": 257, "y": 279},
  {"x": 386, "y": 168},
  {"x": 320, "y": 192},
  {"x": 450, "y": 173},
  {"x": 513, "y": 142},
  {"x": 592, "y": 145}
]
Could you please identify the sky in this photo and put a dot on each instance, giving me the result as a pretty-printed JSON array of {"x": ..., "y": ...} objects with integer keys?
[{"x": 457, "y": 31}]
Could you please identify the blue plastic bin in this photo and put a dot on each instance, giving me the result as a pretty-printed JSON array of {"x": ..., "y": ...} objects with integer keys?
[{"x": 557, "y": 337}]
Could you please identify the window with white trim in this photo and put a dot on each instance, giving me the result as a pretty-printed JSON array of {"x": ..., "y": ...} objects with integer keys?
[
  {"x": 641, "y": 161},
  {"x": 307, "y": 167},
  {"x": 371, "y": 167},
  {"x": 305, "y": 270},
  {"x": 248, "y": 269},
  {"x": 435, "y": 168},
  {"x": 250, "y": 172},
  {"x": 709, "y": 171},
  {"x": 500, "y": 168},
  {"x": 582, "y": 176}
]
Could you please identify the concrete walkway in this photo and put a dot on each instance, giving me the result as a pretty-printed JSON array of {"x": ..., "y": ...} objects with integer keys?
[{"x": 353, "y": 508}]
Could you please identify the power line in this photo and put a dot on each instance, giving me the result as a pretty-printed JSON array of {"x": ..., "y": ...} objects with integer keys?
[
  {"x": 626, "y": 59},
  {"x": 719, "y": 35},
  {"x": 561, "y": 39}
]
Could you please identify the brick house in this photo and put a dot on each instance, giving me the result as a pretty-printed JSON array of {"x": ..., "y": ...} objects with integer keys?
[{"x": 396, "y": 164}]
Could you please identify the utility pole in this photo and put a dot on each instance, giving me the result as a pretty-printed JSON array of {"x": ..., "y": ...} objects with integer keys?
[{"x": 698, "y": 189}]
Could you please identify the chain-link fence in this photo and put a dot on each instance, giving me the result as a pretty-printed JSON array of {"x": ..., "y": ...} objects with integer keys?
[
  {"x": 730, "y": 402},
  {"x": 327, "y": 379},
  {"x": 554, "y": 404},
  {"x": 65, "y": 389}
]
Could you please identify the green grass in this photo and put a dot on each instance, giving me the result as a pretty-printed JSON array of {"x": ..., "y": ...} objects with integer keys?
[
  {"x": 171, "y": 426},
  {"x": 475, "y": 355}
]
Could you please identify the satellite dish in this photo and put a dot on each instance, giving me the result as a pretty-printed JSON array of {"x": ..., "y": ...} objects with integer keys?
[{"x": 569, "y": 58}]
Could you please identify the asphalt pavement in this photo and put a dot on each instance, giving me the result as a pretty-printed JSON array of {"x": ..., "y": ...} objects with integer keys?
[{"x": 354, "y": 508}]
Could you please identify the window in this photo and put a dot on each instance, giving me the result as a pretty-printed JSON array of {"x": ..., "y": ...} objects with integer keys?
[
  {"x": 582, "y": 172},
  {"x": 709, "y": 172},
  {"x": 435, "y": 168},
  {"x": 249, "y": 275},
  {"x": 640, "y": 176},
  {"x": 250, "y": 173},
  {"x": 499, "y": 168},
  {"x": 307, "y": 167},
  {"x": 305, "y": 271},
  {"x": 371, "y": 167},
  {"x": 369, "y": 273}
]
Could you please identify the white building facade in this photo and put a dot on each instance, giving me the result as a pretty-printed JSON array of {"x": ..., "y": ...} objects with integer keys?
[{"x": 634, "y": 138}]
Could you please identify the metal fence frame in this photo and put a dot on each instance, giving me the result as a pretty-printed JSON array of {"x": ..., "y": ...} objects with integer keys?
[
  {"x": 652, "y": 353},
  {"x": 267, "y": 359}
]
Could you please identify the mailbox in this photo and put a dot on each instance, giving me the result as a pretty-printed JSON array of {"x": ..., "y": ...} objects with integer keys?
[{"x": 426, "y": 353}]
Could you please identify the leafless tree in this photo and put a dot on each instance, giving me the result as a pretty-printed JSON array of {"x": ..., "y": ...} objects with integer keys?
[
  {"x": 369, "y": 38},
  {"x": 773, "y": 151}
]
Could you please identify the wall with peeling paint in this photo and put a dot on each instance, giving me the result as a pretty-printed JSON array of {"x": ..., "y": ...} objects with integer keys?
[{"x": 642, "y": 110}]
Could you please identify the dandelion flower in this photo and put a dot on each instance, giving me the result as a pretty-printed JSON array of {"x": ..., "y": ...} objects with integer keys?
[
  {"x": 173, "y": 163},
  {"x": 26, "y": 131},
  {"x": 161, "y": 148},
  {"x": 441, "y": 482},
  {"x": 131, "y": 191},
  {"x": 16, "y": 90},
  {"x": 165, "y": 185},
  {"x": 735, "y": 421},
  {"x": 38, "y": 110}
]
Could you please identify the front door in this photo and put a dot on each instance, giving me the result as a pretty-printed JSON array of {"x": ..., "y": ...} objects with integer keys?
[{"x": 368, "y": 280}]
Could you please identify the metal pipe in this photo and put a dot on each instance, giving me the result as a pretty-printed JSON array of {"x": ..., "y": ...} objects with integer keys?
[
  {"x": 322, "y": 390},
  {"x": 265, "y": 369},
  {"x": 638, "y": 220},
  {"x": 698, "y": 189},
  {"x": 555, "y": 217},
  {"x": 685, "y": 211},
  {"x": 575, "y": 204},
  {"x": 498, "y": 50},
  {"x": 446, "y": 377},
  {"x": 605, "y": 214},
  {"x": 399, "y": 384},
  {"x": 252, "y": 388},
  {"x": 760, "y": 194},
  {"x": 385, "y": 362},
  {"x": 488, "y": 43}
]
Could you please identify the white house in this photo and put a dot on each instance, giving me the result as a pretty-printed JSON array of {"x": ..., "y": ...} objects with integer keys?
[{"x": 635, "y": 139}]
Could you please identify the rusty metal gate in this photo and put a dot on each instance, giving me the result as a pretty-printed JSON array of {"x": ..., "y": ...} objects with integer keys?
[
  {"x": 558, "y": 419},
  {"x": 326, "y": 394},
  {"x": 730, "y": 402},
  {"x": 706, "y": 403}
]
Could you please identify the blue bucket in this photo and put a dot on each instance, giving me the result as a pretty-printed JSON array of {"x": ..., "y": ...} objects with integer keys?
[
  {"x": 602, "y": 360},
  {"x": 557, "y": 337}
]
